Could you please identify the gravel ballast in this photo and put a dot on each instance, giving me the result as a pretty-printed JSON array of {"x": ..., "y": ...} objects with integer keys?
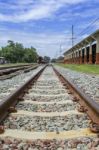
[
  {"x": 9, "y": 85},
  {"x": 47, "y": 112},
  {"x": 87, "y": 82},
  {"x": 73, "y": 144}
]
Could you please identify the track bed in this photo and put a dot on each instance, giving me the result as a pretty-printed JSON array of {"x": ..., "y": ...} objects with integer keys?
[{"x": 47, "y": 118}]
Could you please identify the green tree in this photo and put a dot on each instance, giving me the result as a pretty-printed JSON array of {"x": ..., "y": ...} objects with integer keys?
[
  {"x": 15, "y": 52},
  {"x": 19, "y": 52},
  {"x": 30, "y": 55}
]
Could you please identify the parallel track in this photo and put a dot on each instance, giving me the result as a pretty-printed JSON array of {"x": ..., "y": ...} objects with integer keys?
[
  {"x": 14, "y": 66},
  {"x": 46, "y": 116},
  {"x": 9, "y": 73},
  {"x": 11, "y": 69}
]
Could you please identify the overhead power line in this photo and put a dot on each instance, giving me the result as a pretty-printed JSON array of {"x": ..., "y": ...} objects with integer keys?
[{"x": 88, "y": 27}]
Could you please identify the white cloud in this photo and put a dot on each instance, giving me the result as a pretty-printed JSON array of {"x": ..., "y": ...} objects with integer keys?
[
  {"x": 46, "y": 44},
  {"x": 39, "y": 10},
  {"x": 26, "y": 10}
]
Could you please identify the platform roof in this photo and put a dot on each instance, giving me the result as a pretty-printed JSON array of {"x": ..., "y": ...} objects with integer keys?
[{"x": 91, "y": 38}]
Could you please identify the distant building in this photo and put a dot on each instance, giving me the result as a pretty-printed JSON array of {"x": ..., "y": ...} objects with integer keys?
[
  {"x": 84, "y": 52},
  {"x": 2, "y": 60}
]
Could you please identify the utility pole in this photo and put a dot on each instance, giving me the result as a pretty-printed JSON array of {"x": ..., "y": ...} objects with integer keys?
[
  {"x": 73, "y": 41},
  {"x": 72, "y": 35}
]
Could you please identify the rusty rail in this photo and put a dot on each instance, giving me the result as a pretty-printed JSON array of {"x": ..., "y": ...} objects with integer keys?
[
  {"x": 89, "y": 105},
  {"x": 13, "y": 98},
  {"x": 11, "y": 75},
  {"x": 14, "y": 66},
  {"x": 12, "y": 70},
  {"x": 31, "y": 68}
]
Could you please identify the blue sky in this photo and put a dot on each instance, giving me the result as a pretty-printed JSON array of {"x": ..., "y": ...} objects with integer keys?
[{"x": 46, "y": 24}]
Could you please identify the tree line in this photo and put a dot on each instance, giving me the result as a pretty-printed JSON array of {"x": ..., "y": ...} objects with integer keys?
[{"x": 16, "y": 52}]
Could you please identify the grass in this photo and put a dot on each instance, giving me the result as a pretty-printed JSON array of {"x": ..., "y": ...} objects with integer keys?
[{"x": 91, "y": 69}]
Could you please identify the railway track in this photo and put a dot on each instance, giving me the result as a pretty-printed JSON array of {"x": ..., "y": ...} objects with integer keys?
[
  {"x": 14, "y": 66},
  {"x": 12, "y": 69},
  {"x": 10, "y": 85},
  {"x": 44, "y": 114},
  {"x": 9, "y": 73}
]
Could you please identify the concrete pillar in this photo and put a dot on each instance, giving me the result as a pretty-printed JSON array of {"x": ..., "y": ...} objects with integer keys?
[
  {"x": 90, "y": 53},
  {"x": 72, "y": 57},
  {"x": 87, "y": 52},
  {"x": 97, "y": 51},
  {"x": 65, "y": 59},
  {"x": 77, "y": 56},
  {"x": 68, "y": 59},
  {"x": 80, "y": 56},
  {"x": 85, "y": 56}
]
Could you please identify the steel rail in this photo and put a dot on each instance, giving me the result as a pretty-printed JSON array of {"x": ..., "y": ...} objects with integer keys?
[
  {"x": 90, "y": 106},
  {"x": 11, "y": 70},
  {"x": 13, "y": 98},
  {"x": 11, "y": 75},
  {"x": 31, "y": 68},
  {"x": 13, "y": 66}
]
